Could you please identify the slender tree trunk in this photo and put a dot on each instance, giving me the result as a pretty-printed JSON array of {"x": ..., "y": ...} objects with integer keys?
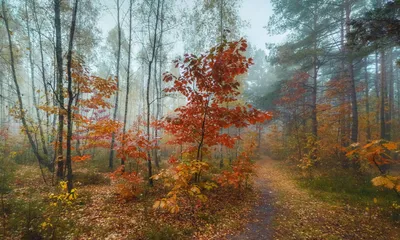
[
  {"x": 398, "y": 102},
  {"x": 354, "y": 107},
  {"x": 2, "y": 99},
  {"x": 111, "y": 158},
  {"x": 32, "y": 67},
  {"x": 43, "y": 71},
  {"x": 353, "y": 93},
  {"x": 127, "y": 77},
  {"x": 155, "y": 108},
  {"x": 221, "y": 155},
  {"x": 314, "y": 120},
  {"x": 19, "y": 96},
  {"x": 377, "y": 88},
  {"x": 70, "y": 98},
  {"x": 314, "y": 101},
  {"x": 54, "y": 120},
  {"x": 382, "y": 96},
  {"x": 342, "y": 115},
  {"x": 221, "y": 16},
  {"x": 76, "y": 111},
  {"x": 199, "y": 156},
  {"x": 367, "y": 107},
  {"x": 148, "y": 103},
  {"x": 60, "y": 89},
  {"x": 158, "y": 85},
  {"x": 203, "y": 132},
  {"x": 391, "y": 96}
]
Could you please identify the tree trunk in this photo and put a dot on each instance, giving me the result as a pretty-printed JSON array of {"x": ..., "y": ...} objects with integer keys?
[
  {"x": 367, "y": 107},
  {"x": 70, "y": 99},
  {"x": 32, "y": 67},
  {"x": 398, "y": 102},
  {"x": 350, "y": 69},
  {"x": 127, "y": 77},
  {"x": 155, "y": 109},
  {"x": 148, "y": 103},
  {"x": 314, "y": 120},
  {"x": 60, "y": 92},
  {"x": 391, "y": 96},
  {"x": 2, "y": 99},
  {"x": 342, "y": 112},
  {"x": 46, "y": 91},
  {"x": 19, "y": 96},
  {"x": 377, "y": 88},
  {"x": 111, "y": 158},
  {"x": 382, "y": 96}
]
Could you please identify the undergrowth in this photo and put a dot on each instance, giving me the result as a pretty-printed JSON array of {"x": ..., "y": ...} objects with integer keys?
[{"x": 346, "y": 188}]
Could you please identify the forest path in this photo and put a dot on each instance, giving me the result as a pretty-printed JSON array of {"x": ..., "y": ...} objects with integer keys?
[
  {"x": 286, "y": 211},
  {"x": 260, "y": 224}
]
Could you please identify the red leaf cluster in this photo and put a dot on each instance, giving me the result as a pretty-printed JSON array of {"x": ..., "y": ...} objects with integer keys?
[{"x": 209, "y": 83}]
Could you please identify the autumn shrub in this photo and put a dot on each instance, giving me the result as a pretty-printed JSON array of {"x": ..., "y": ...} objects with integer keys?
[
  {"x": 311, "y": 157},
  {"x": 240, "y": 175},
  {"x": 184, "y": 191},
  {"x": 91, "y": 178},
  {"x": 344, "y": 187},
  {"x": 129, "y": 185},
  {"x": 25, "y": 216},
  {"x": 55, "y": 225},
  {"x": 378, "y": 154}
]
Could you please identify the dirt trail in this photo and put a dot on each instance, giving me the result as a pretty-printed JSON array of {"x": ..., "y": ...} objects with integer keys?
[
  {"x": 260, "y": 225},
  {"x": 286, "y": 211}
]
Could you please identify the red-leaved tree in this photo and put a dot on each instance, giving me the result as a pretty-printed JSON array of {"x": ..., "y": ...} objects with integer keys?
[{"x": 209, "y": 82}]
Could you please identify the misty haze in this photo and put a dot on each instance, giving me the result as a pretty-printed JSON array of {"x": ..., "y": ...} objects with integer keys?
[{"x": 200, "y": 119}]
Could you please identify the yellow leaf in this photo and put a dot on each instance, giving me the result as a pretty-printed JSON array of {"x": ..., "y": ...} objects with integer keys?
[
  {"x": 156, "y": 204},
  {"x": 375, "y": 200},
  {"x": 383, "y": 181},
  {"x": 174, "y": 209},
  {"x": 195, "y": 190},
  {"x": 63, "y": 185},
  {"x": 43, "y": 225}
]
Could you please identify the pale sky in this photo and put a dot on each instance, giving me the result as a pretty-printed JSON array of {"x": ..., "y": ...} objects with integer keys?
[{"x": 255, "y": 12}]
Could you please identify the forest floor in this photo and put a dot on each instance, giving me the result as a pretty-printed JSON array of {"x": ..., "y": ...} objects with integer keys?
[
  {"x": 279, "y": 207},
  {"x": 288, "y": 211},
  {"x": 100, "y": 213}
]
